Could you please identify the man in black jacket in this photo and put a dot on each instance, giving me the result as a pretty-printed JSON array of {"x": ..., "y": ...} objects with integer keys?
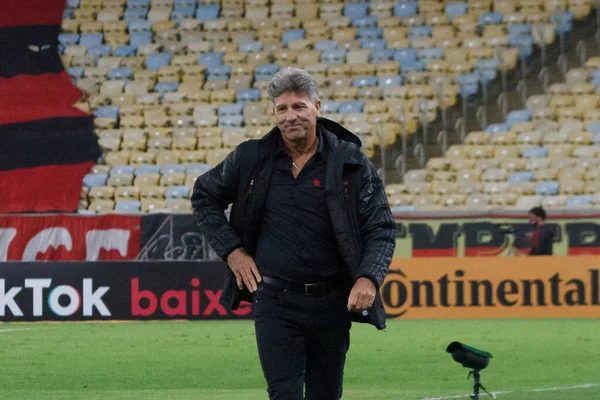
[{"x": 309, "y": 239}]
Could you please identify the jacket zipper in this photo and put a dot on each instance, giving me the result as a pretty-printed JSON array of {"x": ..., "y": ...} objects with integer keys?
[{"x": 351, "y": 220}]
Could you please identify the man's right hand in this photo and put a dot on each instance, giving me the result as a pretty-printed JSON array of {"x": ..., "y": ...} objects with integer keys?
[{"x": 244, "y": 269}]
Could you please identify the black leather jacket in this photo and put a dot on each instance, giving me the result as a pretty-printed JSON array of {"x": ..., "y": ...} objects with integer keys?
[{"x": 362, "y": 221}]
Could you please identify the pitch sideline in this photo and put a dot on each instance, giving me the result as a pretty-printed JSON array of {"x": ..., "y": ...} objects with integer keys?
[
  {"x": 548, "y": 389},
  {"x": 14, "y": 330}
]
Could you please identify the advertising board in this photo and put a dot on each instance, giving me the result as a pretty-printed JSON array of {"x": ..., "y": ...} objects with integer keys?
[{"x": 493, "y": 287}]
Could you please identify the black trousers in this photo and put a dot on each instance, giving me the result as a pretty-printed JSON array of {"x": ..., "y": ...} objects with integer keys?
[{"x": 302, "y": 341}]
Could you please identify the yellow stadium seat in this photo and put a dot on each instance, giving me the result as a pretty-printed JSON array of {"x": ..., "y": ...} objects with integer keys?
[
  {"x": 443, "y": 176},
  {"x": 167, "y": 157},
  {"x": 190, "y": 179},
  {"x": 159, "y": 143},
  {"x": 172, "y": 179},
  {"x": 457, "y": 164},
  {"x": 140, "y": 158},
  {"x": 504, "y": 138},
  {"x": 127, "y": 193},
  {"x": 178, "y": 108},
  {"x": 101, "y": 206},
  {"x": 523, "y": 188},
  {"x": 101, "y": 193},
  {"x": 394, "y": 189},
  {"x": 468, "y": 175},
  {"x": 115, "y": 158},
  {"x": 513, "y": 164},
  {"x": 120, "y": 180},
  {"x": 184, "y": 143},
  {"x": 146, "y": 179},
  {"x": 419, "y": 189},
  {"x": 138, "y": 144},
  {"x": 100, "y": 169},
  {"x": 179, "y": 206},
  {"x": 503, "y": 199},
  {"x": 153, "y": 205},
  {"x": 256, "y": 132},
  {"x": 152, "y": 192},
  {"x": 109, "y": 143},
  {"x": 401, "y": 200},
  {"x": 214, "y": 157},
  {"x": 193, "y": 157}
]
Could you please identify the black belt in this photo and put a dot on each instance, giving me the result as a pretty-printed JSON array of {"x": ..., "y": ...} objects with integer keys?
[{"x": 307, "y": 289}]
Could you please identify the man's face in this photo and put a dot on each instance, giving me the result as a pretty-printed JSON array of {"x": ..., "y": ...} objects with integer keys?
[
  {"x": 296, "y": 115},
  {"x": 533, "y": 219}
]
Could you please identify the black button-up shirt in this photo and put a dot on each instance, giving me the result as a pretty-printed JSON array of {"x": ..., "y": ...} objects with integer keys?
[{"x": 297, "y": 242}]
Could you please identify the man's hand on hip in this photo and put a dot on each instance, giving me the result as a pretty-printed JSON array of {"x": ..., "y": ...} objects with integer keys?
[
  {"x": 362, "y": 295},
  {"x": 244, "y": 269}
]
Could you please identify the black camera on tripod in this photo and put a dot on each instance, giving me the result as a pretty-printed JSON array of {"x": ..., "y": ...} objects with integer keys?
[{"x": 474, "y": 359}]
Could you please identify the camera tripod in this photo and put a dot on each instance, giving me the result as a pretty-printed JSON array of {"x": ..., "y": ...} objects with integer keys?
[{"x": 477, "y": 385}]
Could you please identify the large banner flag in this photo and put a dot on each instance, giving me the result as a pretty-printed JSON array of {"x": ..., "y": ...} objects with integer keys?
[{"x": 46, "y": 144}]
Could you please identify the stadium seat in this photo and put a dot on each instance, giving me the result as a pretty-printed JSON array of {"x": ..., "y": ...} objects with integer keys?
[
  {"x": 219, "y": 72},
  {"x": 128, "y": 206},
  {"x": 522, "y": 176},
  {"x": 349, "y": 107},
  {"x": 107, "y": 112},
  {"x": 547, "y": 188},
  {"x": 198, "y": 168},
  {"x": 75, "y": 72},
  {"x": 579, "y": 201},
  {"x": 333, "y": 56},
  {"x": 374, "y": 44},
  {"x": 492, "y": 129},
  {"x": 248, "y": 95},
  {"x": 265, "y": 71},
  {"x": 231, "y": 120},
  {"x": 178, "y": 205},
  {"x": 534, "y": 152},
  {"x": 93, "y": 180},
  {"x": 68, "y": 39},
  {"x": 207, "y": 12},
  {"x": 363, "y": 81},
  {"x": 165, "y": 87},
  {"x": 91, "y": 39},
  {"x": 491, "y": 18},
  {"x": 405, "y": 9},
  {"x": 157, "y": 61},
  {"x": 132, "y": 14},
  {"x": 292, "y": 34},
  {"x": 182, "y": 12},
  {"x": 175, "y": 192},
  {"x": 211, "y": 59}
]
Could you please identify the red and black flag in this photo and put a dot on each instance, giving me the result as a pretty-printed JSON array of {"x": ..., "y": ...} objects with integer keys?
[{"x": 46, "y": 144}]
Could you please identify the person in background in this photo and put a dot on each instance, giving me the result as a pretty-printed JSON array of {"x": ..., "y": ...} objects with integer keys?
[{"x": 540, "y": 239}]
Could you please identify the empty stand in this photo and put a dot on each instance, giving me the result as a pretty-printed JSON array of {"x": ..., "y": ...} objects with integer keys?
[{"x": 181, "y": 83}]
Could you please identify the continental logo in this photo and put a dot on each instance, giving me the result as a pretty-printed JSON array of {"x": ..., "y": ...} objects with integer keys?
[{"x": 456, "y": 292}]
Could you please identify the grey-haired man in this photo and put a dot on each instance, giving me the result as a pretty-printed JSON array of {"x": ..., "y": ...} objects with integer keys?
[{"x": 309, "y": 240}]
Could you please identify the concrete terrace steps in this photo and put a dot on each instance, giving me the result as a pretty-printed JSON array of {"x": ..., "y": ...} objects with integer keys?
[{"x": 583, "y": 31}]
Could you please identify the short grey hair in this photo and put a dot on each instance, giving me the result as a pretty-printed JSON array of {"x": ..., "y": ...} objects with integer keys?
[{"x": 296, "y": 80}]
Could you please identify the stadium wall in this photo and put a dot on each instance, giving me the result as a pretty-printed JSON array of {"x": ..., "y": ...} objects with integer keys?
[
  {"x": 113, "y": 237},
  {"x": 75, "y": 291},
  {"x": 416, "y": 288}
]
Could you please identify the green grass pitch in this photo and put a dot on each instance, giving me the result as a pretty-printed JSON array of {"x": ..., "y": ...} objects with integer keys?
[{"x": 217, "y": 360}]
